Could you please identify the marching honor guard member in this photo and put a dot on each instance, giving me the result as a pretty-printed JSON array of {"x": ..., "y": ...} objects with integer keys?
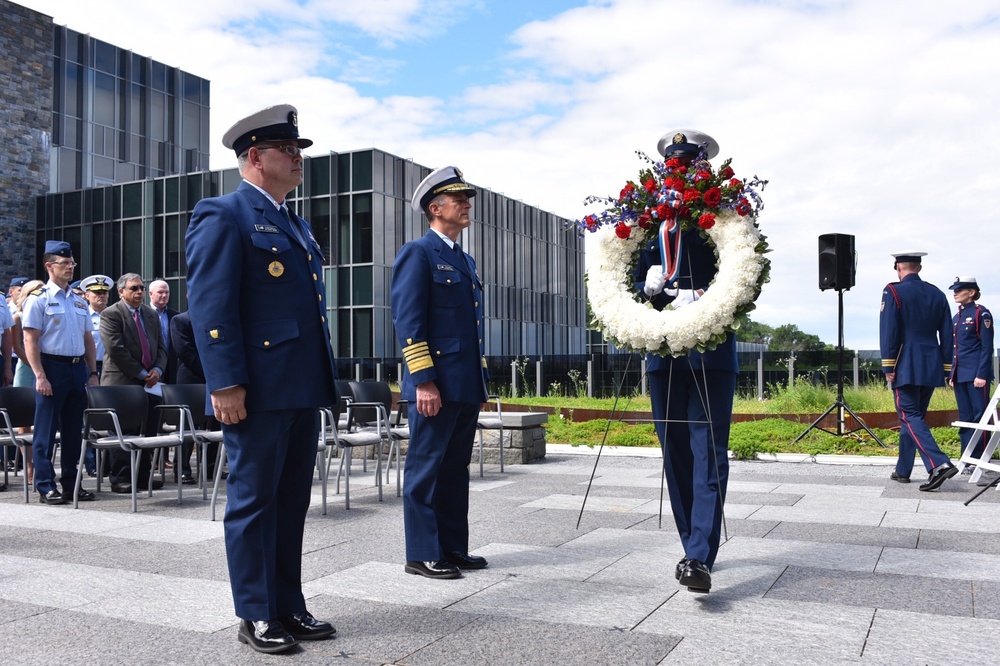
[
  {"x": 915, "y": 338},
  {"x": 692, "y": 395},
  {"x": 972, "y": 362},
  {"x": 437, "y": 308},
  {"x": 258, "y": 312}
]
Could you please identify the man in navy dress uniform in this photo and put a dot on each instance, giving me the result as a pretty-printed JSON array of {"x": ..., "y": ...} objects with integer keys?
[
  {"x": 59, "y": 346},
  {"x": 692, "y": 395},
  {"x": 437, "y": 308},
  {"x": 258, "y": 313},
  {"x": 915, "y": 338},
  {"x": 972, "y": 362}
]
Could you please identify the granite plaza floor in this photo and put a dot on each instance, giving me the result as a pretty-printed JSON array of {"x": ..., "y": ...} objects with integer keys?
[{"x": 823, "y": 564}]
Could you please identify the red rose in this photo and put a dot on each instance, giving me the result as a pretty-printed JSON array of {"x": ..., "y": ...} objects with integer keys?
[
  {"x": 683, "y": 212},
  {"x": 590, "y": 221},
  {"x": 626, "y": 191},
  {"x": 702, "y": 175},
  {"x": 650, "y": 185},
  {"x": 672, "y": 163},
  {"x": 712, "y": 197},
  {"x": 736, "y": 184},
  {"x": 644, "y": 221},
  {"x": 743, "y": 208},
  {"x": 682, "y": 170},
  {"x": 727, "y": 172},
  {"x": 677, "y": 184},
  {"x": 706, "y": 221},
  {"x": 661, "y": 211},
  {"x": 622, "y": 230},
  {"x": 691, "y": 195}
]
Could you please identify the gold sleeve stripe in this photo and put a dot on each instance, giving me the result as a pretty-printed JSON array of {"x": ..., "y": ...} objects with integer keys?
[
  {"x": 484, "y": 362},
  {"x": 420, "y": 363},
  {"x": 418, "y": 357},
  {"x": 947, "y": 367},
  {"x": 888, "y": 363}
]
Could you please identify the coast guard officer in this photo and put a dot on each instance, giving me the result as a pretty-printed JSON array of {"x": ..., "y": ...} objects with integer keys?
[
  {"x": 972, "y": 362},
  {"x": 59, "y": 347},
  {"x": 915, "y": 338},
  {"x": 437, "y": 308},
  {"x": 692, "y": 395},
  {"x": 258, "y": 312}
]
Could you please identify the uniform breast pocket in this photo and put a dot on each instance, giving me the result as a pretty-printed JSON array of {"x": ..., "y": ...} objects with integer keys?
[
  {"x": 273, "y": 255},
  {"x": 447, "y": 289}
]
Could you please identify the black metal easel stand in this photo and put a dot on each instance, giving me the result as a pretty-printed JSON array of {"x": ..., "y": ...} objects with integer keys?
[{"x": 839, "y": 403}]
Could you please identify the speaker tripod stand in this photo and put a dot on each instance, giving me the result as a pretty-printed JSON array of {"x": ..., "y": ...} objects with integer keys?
[{"x": 839, "y": 404}]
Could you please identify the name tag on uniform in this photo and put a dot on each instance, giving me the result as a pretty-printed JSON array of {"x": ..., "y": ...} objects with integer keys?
[
  {"x": 266, "y": 228},
  {"x": 445, "y": 267}
]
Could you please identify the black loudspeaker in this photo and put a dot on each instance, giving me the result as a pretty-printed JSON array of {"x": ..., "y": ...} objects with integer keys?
[{"x": 836, "y": 261}]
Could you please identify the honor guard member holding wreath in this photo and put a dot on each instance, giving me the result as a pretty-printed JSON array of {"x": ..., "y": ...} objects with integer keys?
[
  {"x": 60, "y": 349},
  {"x": 915, "y": 338},
  {"x": 972, "y": 362},
  {"x": 692, "y": 395},
  {"x": 437, "y": 308},
  {"x": 258, "y": 312}
]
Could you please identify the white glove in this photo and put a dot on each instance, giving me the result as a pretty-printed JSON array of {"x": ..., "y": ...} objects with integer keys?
[
  {"x": 655, "y": 279},
  {"x": 684, "y": 297}
]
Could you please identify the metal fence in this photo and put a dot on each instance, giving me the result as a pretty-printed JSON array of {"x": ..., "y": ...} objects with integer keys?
[{"x": 601, "y": 375}]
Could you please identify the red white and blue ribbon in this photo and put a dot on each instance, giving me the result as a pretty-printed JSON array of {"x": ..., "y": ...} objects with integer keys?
[{"x": 670, "y": 249}]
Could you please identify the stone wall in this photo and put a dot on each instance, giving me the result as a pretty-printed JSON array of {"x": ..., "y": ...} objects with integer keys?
[{"x": 25, "y": 132}]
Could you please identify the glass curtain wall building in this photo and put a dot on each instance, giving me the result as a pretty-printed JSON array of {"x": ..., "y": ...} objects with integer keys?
[
  {"x": 359, "y": 206},
  {"x": 118, "y": 116}
]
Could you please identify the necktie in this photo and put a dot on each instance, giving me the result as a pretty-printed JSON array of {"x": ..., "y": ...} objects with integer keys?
[
  {"x": 294, "y": 224},
  {"x": 457, "y": 248},
  {"x": 147, "y": 356}
]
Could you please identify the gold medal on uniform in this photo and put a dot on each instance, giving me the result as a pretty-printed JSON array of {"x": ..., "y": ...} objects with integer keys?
[{"x": 276, "y": 269}]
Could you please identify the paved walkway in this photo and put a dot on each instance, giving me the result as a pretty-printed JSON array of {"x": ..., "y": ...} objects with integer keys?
[{"x": 824, "y": 564}]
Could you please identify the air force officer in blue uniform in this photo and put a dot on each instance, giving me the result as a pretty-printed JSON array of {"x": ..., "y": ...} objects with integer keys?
[
  {"x": 972, "y": 362},
  {"x": 692, "y": 395},
  {"x": 915, "y": 337},
  {"x": 258, "y": 312},
  {"x": 437, "y": 308}
]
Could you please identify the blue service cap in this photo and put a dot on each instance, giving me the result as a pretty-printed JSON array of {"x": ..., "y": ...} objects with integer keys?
[
  {"x": 58, "y": 248},
  {"x": 96, "y": 283},
  {"x": 439, "y": 181},
  {"x": 19, "y": 282},
  {"x": 687, "y": 143},
  {"x": 275, "y": 123},
  {"x": 74, "y": 285},
  {"x": 964, "y": 282}
]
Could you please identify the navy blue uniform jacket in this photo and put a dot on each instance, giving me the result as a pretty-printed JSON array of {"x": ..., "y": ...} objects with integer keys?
[
  {"x": 254, "y": 323},
  {"x": 437, "y": 308},
  {"x": 973, "y": 344},
  {"x": 915, "y": 332}
]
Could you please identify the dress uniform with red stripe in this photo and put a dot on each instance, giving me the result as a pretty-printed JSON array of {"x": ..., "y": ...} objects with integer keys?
[{"x": 972, "y": 362}]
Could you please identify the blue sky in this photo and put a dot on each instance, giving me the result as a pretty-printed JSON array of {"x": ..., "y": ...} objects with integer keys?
[{"x": 875, "y": 118}]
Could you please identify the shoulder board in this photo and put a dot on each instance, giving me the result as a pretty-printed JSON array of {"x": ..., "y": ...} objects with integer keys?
[{"x": 38, "y": 292}]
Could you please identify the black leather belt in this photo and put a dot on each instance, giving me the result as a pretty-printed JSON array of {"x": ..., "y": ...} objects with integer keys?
[{"x": 62, "y": 359}]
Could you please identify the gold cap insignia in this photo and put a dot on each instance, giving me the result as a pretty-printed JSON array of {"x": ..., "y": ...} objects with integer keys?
[
  {"x": 293, "y": 118},
  {"x": 214, "y": 334},
  {"x": 276, "y": 269},
  {"x": 680, "y": 138}
]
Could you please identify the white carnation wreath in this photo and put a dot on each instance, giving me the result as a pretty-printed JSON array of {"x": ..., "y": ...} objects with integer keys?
[{"x": 701, "y": 325}]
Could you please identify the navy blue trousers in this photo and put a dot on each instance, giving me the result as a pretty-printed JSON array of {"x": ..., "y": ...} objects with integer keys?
[
  {"x": 693, "y": 412},
  {"x": 271, "y": 456},
  {"x": 60, "y": 412},
  {"x": 914, "y": 435},
  {"x": 971, "y": 405},
  {"x": 436, "y": 481}
]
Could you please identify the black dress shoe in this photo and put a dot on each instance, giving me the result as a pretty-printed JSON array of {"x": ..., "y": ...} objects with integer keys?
[
  {"x": 52, "y": 497},
  {"x": 267, "y": 636},
  {"x": 83, "y": 496},
  {"x": 898, "y": 478},
  {"x": 305, "y": 627},
  {"x": 938, "y": 476},
  {"x": 124, "y": 488},
  {"x": 679, "y": 569},
  {"x": 187, "y": 479},
  {"x": 466, "y": 561},
  {"x": 696, "y": 577},
  {"x": 440, "y": 569}
]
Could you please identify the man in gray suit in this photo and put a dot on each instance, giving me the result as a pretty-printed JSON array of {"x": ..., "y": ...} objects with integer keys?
[{"x": 133, "y": 354}]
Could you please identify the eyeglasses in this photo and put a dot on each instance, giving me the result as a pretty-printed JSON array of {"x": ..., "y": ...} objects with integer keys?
[
  {"x": 289, "y": 149},
  {"x": 136, "y": 287},
  {"x": 63, "y": 263}
]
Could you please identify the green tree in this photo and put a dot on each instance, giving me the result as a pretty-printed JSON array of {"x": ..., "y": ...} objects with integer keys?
[{"x": 788, "y": 337}]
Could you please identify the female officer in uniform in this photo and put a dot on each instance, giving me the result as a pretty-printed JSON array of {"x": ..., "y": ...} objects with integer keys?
[{"x": 972, "y": 363}]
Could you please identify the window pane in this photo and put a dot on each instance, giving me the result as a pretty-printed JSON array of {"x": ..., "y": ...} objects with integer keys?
[
  {"x": 362, "y": 250},
  {"x": 319, "y": 175},
  {"x": 362, "y": 289},
  {"x": 362, "y": 334},
  {"x": 362, "y": 172}
]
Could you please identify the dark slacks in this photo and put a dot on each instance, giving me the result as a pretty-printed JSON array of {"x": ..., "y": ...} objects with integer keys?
[
  {"x": 971, "y": 405},
  {"x": 693, "y": 411},
  {"x": 912, "y": 402},
  {"x": 436, "y": 481},
  {"x": 63, "y": 412},
  {"x": 271, "y": 456}
]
